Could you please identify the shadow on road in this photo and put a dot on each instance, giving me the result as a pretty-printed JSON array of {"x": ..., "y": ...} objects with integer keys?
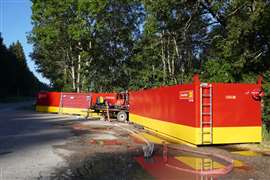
[{"x": 21, "y": 127}]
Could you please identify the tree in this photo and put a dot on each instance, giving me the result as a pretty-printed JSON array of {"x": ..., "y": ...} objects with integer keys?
[
  {"x": 82, "y": 42},
  {"x": 16, "y": 79},
  {"x": 173, "y": 42},
  {"x": 245, "y": 45},
  {"x": 240, "y": 47},
  {"x": 21, "y": 70},
  {"x": 8, "y": 71}
]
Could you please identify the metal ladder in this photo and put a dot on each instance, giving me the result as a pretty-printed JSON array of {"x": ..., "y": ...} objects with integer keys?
[
  {"x": 207, "y": 165},
  {"x": 206, "y": 113}
]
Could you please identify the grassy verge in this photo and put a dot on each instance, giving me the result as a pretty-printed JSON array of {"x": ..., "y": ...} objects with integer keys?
[{"x": 265, "y": 133}]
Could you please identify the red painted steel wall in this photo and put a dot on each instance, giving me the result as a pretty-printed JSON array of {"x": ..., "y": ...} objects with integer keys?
[
  {"x": 72, "y": 100},
  {"x": 233, "y": 105},
  {"x": 165, "y": 103},
  {"x": 76, "y": 100},
  {"x": 48, "y": 99}
]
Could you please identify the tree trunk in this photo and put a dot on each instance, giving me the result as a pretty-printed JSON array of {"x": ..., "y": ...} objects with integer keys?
[
  {"x": 71, "y": 68},
  {"x": 163, "y": 59},
  {"x": 179, "y": 58},
  {"x": 73, "y": 77},
  {"x": 78, "y": 83},
  {"x": 168, "y": 59}
]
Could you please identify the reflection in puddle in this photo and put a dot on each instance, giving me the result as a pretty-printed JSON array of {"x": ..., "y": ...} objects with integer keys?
[
  {"x": 158, "y": 169},
  {"x": 240, "y": 165},
  {"x": 198, "y": 163},
  {"x": 251, "y": 153},
  {"x": 247, "y": 153},
  {"x": 185, "y": 167},
  {"x": 178, "y": 167}
]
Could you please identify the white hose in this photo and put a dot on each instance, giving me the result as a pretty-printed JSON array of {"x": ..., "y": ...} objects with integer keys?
[{"x": 148, "y": 148}]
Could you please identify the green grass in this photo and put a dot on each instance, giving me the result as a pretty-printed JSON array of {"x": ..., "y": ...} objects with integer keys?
[{"x": 265, "y": 133}]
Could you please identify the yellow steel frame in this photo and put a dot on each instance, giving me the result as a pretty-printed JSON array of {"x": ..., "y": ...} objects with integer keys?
[
  {"x": 77, "y": 111},
  {"x": 221, "y": 135}
]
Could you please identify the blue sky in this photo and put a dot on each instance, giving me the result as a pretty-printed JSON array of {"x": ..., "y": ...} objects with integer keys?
[{"x": 15, "y": 23}]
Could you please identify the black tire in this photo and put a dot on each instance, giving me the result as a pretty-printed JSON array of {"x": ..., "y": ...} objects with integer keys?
[{"x": 122, "y": 116}]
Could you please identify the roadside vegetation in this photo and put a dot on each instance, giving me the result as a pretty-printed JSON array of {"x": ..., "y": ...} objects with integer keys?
[{"x": 18, "y": 83}]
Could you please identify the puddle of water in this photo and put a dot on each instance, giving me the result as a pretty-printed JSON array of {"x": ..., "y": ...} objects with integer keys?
[
  {"x": 199, "y": 163},
  {"x": 247, "y": 153},
  {"x": 240, "y": 165},
  {"x": 186, "y": 166},
  {"x": 160, "y": 170},
  {"x": 251, "y": 153}
]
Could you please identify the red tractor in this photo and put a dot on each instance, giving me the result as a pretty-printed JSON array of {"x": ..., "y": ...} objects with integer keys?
[{"x": 112, "y": 107}]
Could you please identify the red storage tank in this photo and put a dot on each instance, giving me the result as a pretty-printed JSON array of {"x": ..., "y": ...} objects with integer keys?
[
  {"x": 201, "y": 113},
  {"x": 63, "y": 102},
  {"x": 70, "y": 103},
  {"x": 48, "y": 102}
]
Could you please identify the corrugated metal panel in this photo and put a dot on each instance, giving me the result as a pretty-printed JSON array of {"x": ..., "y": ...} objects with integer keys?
[{"x": 76, "y": 100}]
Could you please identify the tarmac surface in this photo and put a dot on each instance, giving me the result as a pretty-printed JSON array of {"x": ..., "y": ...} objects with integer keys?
[{"x": 26, "y": 142}]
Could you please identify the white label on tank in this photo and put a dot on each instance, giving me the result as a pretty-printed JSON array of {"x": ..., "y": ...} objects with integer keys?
[{"x": 230, "y": 97}]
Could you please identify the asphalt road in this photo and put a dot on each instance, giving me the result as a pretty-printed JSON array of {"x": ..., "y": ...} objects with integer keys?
[{"x": 26, "y": 142}]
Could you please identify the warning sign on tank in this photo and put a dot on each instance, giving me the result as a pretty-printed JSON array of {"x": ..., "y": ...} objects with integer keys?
[{"x": 186, "y": 95}]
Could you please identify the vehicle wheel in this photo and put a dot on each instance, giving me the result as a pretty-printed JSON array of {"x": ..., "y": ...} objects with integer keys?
[{"x": 122, "y": 116}]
